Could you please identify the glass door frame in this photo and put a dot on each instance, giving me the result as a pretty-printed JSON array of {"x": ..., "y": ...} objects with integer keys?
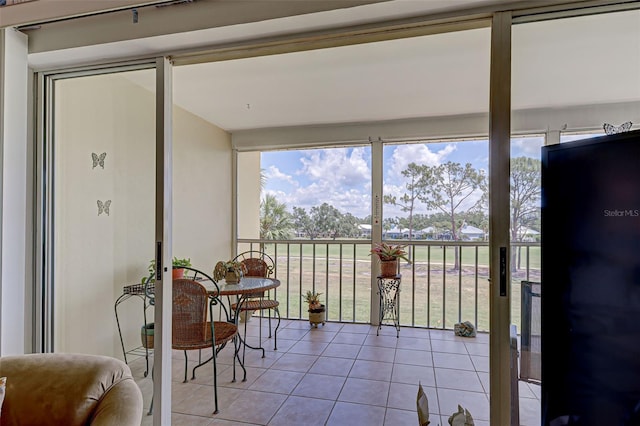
[{"x": 44, "y": 285}]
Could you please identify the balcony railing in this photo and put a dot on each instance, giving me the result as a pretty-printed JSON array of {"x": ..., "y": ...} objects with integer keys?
[{"x": 434, "y": 292}]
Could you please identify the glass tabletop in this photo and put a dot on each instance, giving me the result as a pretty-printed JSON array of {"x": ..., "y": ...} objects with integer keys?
[{"x": 246, "y": 285}]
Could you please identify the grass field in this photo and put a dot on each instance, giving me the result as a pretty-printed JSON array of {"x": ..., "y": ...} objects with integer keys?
[{"x": 432, "y": 294}]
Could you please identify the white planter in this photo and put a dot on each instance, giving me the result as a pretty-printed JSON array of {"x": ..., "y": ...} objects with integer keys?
[{"x": 245, "y": 316}]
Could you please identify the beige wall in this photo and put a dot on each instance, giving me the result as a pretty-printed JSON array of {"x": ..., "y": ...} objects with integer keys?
[
  {"x": 97, "y": 254},
  {"x": 249, "y": 202},
  {"x": 201, "y": 191}
]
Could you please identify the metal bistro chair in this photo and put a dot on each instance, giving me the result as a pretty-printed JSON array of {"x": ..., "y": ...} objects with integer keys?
[
  {"x": 259, "y": 264},
  {"x": 191, "y": 329},
  {"x": 530, "y": 344},
  {"x": 530, "y": 340}
]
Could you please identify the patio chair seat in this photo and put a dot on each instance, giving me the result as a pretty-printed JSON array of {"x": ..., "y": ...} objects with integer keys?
[
  {"x": 257, "y": 304},
  {"x": 224, "y": 332}
]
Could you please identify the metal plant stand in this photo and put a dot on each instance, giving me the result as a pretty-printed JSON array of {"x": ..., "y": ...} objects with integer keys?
[
  {"x": 389, "y": 291},
  {"x": 136, "y": 290}
]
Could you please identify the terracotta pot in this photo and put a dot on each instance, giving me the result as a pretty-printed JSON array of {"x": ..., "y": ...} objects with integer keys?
[
  {"x": 177, "y": 273},
  {"x": 388, "y": 268}
]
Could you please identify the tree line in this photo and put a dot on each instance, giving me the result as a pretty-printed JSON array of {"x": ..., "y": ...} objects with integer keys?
[{"x": 323, "y": 221}]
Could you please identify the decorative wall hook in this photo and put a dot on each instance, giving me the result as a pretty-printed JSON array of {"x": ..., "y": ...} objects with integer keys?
[
  {"x": 610, "y": 129},
  {"x": 98, "y": 159},
  {"x": 103, "y": 207}
]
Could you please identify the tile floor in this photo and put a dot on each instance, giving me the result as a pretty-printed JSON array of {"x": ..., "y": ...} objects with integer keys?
[{"x": 340, "y": 374}]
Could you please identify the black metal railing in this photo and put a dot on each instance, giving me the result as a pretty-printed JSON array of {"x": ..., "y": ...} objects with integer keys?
[{"x": 445, "y": 283}]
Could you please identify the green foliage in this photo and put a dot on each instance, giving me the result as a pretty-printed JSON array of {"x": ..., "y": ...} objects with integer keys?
[
  {"x": 347, "y": 227},
  {"x": 326, "y": 221},
  {"x": 313, "y": 299},
  {"x": 175, "y": 263},
  {"x": 304, "y": 223},
  {"x": 181, "y": 262},
  {"x": 451, "y": 189},
  {"x": 276, "y": 223},
  {"x": 390, "y": 251},
  {"x": 525, "y": 195},
  {"x": 389, "y": 223},
  {"x": 415, "y": 188}
]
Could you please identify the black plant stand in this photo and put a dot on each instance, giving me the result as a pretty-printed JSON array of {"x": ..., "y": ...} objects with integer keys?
[
  {"x": 389, "y": 291},
  {"x": 135, "y": 290}
]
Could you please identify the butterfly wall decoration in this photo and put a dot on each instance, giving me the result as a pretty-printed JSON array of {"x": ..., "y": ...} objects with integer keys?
[
  {"x": 610, "y": 129},
  {"x": 103, "y": 207},
  {"x": 98, "y": 160}
]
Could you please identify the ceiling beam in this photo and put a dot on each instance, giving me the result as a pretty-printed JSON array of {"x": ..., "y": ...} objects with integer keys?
[
  {"x": 181, "y": 17},
  {"x": 185, "y": 16},
  {"x": 38, "y": 11}
]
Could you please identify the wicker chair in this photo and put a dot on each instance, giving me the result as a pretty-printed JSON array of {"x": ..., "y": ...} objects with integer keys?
[
  {"x": 191, "y": 330},
  {"x": 259, "y": 264}
]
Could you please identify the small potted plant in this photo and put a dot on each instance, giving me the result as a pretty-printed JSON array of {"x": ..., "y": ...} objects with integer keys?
[
  {"x": 146, "y": 334},
  {"x": 316, "y": 308},
  {"x": 177, "y": 272},
  {"x": 178, "y": 267},
  {"x": 389, "y": 255},
  {"x": 231, "y": 271}
]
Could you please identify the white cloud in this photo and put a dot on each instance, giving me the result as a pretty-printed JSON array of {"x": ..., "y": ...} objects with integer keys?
[
  {"x": 272, "y": 172},
  {"x": 340, "y": 177},
  {"x": 337, "y": 166},
  {"x": 403, "y": 155},
  {"x": 280, "y": 195},
  {"x": 356, "y": 201},
  {"x": 528, "y": 147}
]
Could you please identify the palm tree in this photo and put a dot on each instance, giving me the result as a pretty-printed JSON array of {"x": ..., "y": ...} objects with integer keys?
[{"x": 275, "y": 221}]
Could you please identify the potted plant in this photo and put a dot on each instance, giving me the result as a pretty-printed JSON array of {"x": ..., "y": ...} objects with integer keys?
[
  {"x": 231, "y": 271},
  {"x": 389, "y": 255},
  {"x": 177, "y": 272},
  {"x": 146, "y": 334},
  {"x": 316, "y": 308},
  {"x": 178, "y": 267}
]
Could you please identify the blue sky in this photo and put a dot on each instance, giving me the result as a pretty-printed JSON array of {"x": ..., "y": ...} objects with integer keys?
[{"x": 342, "y": 176}]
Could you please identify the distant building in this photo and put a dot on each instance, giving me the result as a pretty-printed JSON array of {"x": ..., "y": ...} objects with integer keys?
[
  {"x": 394, "y": 233},
  {"x": 528, "y": 234},
  {"x": 471, "y": 233},
  {"x": 428, "y": 233},
  {"x": 365, "y": 230}
]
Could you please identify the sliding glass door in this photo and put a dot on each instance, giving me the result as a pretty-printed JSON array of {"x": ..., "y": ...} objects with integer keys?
[
  {"x": 103, "y": 208},
  {"x": 103, "y": 216},
  {"x": 564, "y": 87}
]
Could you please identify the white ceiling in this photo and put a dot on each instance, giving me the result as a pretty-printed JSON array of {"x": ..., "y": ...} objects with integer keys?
[
  {"x": 435, "y": 75},
  {"x": 586, "y": 60}
]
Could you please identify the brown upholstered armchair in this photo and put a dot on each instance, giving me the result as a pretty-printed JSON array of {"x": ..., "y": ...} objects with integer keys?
[{"x": 69, "y": 389}]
